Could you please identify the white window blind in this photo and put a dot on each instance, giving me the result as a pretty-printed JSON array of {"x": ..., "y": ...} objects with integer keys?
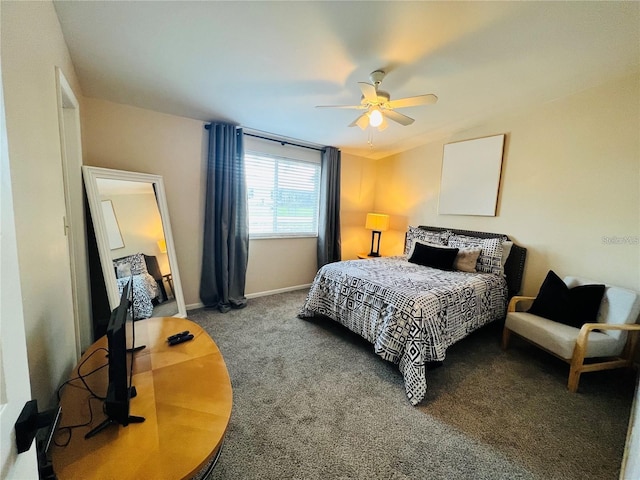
[{"x": 283, "y": 193}]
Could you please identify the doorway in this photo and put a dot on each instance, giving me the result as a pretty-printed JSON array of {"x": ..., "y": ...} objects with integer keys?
[{"x": 71, "y": 155}]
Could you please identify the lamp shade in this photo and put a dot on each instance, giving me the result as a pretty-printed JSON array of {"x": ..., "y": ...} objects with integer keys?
[
  {"x": 162, "y": 245},
  {"x": 378, "y": 222}
]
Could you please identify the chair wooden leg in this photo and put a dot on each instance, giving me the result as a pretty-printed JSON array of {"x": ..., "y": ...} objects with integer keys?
[
  {"x": 574, "y": 379},
  {"x": 506, "y": 336},
  {"x": 577, "y": 362},
  {"x": 631, "y": 346}
]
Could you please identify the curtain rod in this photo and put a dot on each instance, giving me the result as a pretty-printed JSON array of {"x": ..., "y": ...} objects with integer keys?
[
  {"x": 281, "y": 142},
  {"x": 284, "y": 142}
]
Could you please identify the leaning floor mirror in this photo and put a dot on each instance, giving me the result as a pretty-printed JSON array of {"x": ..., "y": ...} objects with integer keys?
[{"x": 133, "y": 237}]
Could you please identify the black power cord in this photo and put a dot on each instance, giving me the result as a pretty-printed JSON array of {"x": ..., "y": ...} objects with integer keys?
[{"x": 93, "y": 396}]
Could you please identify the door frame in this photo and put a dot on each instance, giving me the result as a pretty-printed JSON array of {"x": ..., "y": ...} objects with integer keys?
[{"x": 74, "y": 222}]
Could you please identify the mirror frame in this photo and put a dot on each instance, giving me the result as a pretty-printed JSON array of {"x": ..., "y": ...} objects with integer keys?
[{"x": 91, "y": 175}]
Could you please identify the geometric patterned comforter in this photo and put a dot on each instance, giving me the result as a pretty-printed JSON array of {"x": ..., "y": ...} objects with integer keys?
[
  {"x": 145, "y": 289},
  {"x": 410, "y": 313}
]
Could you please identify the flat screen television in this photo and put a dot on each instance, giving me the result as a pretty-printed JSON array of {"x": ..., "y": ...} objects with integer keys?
[{"x": 120, "y": 343}]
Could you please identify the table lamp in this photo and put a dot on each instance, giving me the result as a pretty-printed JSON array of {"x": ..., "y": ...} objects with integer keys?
[{"x": 378, "y": 222}]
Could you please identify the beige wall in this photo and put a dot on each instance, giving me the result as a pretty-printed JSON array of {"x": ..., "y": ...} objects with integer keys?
[
  {"x": 357, "y": 194},
  {"x": 553, "y": 164},
  {"x": 570, "y": 181},
  {"x": 128, "y": 138},
  {"x": 32, "y": 46},
  {"x": 280, "y": 263}
]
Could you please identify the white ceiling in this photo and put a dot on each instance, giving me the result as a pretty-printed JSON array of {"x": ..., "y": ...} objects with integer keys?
[{"x": 265, "y": 65}]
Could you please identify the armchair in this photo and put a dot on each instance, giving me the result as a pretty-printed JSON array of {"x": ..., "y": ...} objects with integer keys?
[{"x": 609, "y": 343}]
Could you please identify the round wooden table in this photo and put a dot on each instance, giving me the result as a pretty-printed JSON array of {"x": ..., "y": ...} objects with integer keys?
[{"x": 184, "y": 393}]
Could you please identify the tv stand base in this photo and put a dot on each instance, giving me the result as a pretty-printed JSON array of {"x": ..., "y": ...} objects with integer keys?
[{"x": 108, "y": 422}]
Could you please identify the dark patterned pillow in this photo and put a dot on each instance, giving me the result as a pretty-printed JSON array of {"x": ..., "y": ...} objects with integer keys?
[
  {"x": 136, "y": 263},
  {"x": 490, "y": 259},
  {"x": 415, "y": 233}
]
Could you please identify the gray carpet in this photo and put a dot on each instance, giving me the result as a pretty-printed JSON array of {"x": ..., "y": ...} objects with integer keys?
[
  {"x": 165, "y": 309},
  {"x": 312, "y": 401}
]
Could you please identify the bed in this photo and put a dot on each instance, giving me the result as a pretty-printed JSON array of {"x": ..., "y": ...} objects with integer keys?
[
  {"x": 412, "y": 312},
  {"x": 147, "y": 286}
]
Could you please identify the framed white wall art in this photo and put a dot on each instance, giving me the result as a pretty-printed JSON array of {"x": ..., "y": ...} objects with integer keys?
[{"x": 471, "y": 176}]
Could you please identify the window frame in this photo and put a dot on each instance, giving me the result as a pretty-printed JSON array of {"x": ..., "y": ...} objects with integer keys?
[{"x": 276, "y": 157}]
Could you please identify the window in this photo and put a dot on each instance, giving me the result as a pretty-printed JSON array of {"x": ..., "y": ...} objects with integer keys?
[{"x": 283, "y": 193}]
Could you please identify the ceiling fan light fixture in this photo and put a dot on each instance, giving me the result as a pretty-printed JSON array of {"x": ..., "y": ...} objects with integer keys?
[
  {"x": 377, "y": 107},
  {"x": 384, "y": 124},
  {"x": 375, "y": 117}
]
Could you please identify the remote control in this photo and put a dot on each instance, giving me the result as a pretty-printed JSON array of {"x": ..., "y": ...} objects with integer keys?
[
  {"x": 177, "y": 335},
  {"x": 182, "y": 339}
]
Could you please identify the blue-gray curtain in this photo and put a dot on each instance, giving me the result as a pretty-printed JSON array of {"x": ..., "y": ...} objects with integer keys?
[
  {"x": 226, "y": 230},
  {"x": 329, "y": 249}
]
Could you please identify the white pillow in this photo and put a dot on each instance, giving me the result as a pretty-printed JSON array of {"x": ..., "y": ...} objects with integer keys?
[
  {"x": 506, "y": 250},
  {"x": 466, "y": 259},
  {"x": 123, "y": 270}
]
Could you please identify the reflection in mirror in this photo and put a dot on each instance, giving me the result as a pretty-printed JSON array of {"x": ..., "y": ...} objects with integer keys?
[
  {"x": 134, "y": 240},
  {"x": 111, "y": 223}
]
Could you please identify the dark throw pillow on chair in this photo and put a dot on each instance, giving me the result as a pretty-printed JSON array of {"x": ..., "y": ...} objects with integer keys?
[
  {"x": 585, "y": 300},
  {"x": 551, "y": 299},
  {"x": 436, "y": 257},
  {"x": 571, "y": 306}
]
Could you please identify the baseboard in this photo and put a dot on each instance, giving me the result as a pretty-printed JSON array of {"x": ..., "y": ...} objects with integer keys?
[
  {"x": 279, "y": 290},
  {"x": 195, "y": 306}
]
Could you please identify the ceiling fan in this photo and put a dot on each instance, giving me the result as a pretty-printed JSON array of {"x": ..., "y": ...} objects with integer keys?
[{"x": 379, "y": 106}]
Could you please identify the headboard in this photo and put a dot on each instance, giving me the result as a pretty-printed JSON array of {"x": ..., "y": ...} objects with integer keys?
[{"x": 513, "y": 269}]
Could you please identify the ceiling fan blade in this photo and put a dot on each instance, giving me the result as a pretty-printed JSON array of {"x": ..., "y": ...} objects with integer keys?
[
  {"x": 368, "y": 92},
  {"x": 355, "y": 107},
  {"x": 398, "y": 117},
  {"x": 428, "y": 99},
  {"x": 362, "y": 121}
]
